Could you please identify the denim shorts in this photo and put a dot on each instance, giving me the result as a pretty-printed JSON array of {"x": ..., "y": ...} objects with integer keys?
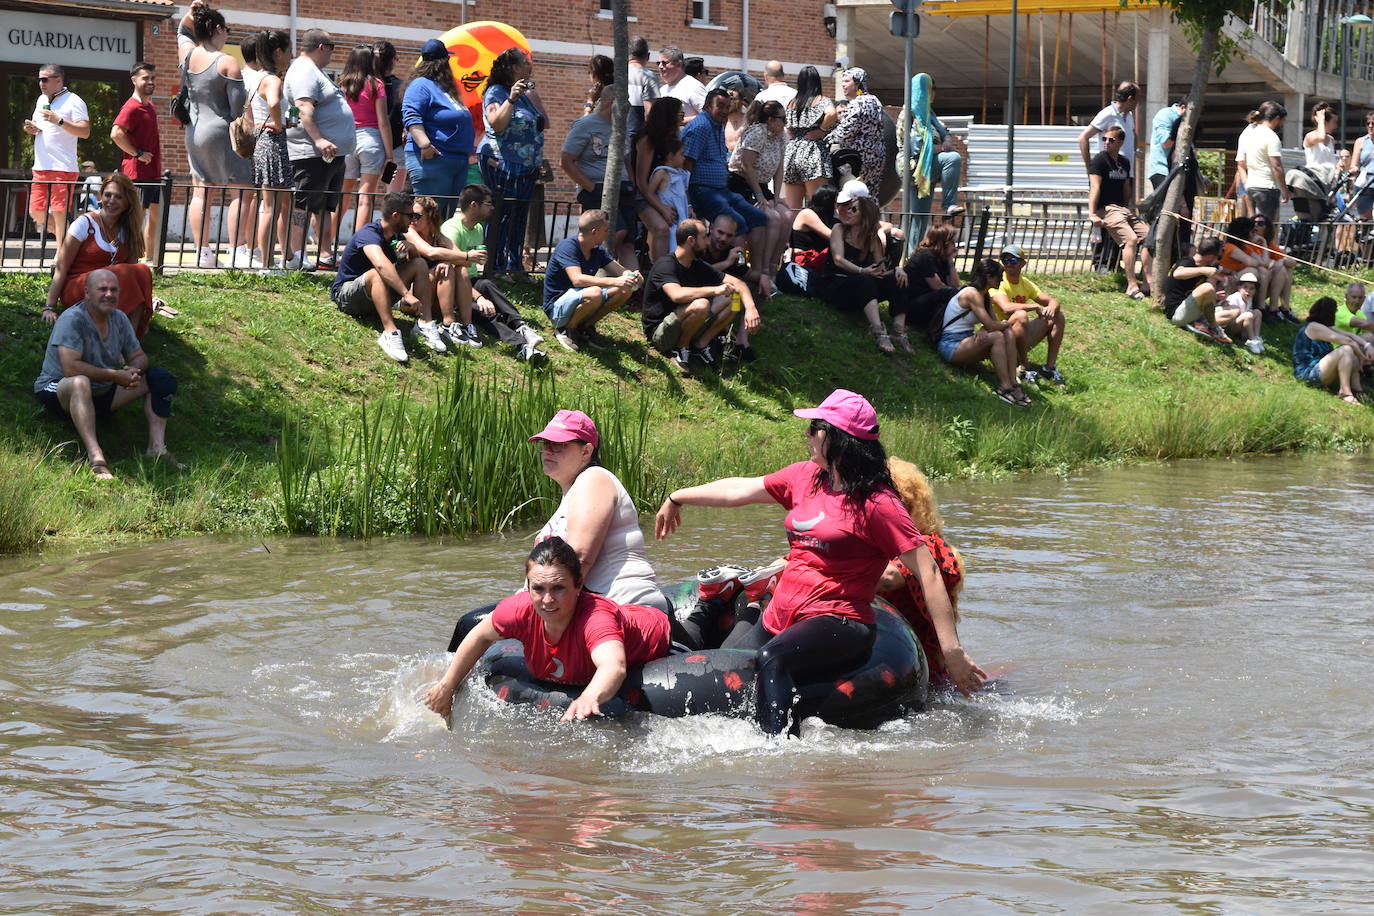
[
  {"x": 949, "y": 342},
  {"x": 563, "y": 307},
  {"x": 367, "y": 156}
]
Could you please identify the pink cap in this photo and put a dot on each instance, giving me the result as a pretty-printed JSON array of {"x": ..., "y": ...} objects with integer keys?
[
  {"x": 847, "y": 411},
  {"x": 569, "y": 426}
]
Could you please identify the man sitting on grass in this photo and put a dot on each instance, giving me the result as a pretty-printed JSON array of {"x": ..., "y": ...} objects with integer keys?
[
  {"x": 1357, "y": 316},
  {"x": 375, "y": 274},
  {"x": 1033, "y": 315},
  {"x": 687, "y": 303},
  {"x": 1191, "y": 296},
  {"x": 575, "y": 297},
  {"x": 94, "y": 365}
]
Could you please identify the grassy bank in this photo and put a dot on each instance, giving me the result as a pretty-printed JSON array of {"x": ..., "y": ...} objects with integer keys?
[{"x": 257, "y": 357}]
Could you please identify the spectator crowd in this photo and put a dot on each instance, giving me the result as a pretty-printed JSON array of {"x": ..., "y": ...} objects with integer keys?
[{"x": 732, "y": 191}]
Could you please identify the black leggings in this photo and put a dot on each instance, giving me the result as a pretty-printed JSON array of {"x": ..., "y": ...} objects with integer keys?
[{"x": 808, "y": 650}]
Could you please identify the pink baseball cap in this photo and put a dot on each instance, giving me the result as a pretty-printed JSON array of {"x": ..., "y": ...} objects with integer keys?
[
  {"x": 845, "y": 410},
  {"x": 569, "y": 426}
]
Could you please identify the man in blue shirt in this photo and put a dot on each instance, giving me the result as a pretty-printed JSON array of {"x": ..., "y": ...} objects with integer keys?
[
  {"x": 575, "y": 298},
  {"x": 376, "y": 273},
  {"x": 1161, "y": 131},
  {"x": 703, "y": 142}
]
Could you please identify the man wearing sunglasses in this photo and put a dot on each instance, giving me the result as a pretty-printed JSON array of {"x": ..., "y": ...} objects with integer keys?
[
  {"x": 59, "y": 120},
  {"x": 376, "y": 274},
  {"x": 678, "y": 84},
  {"x": 1110, "y": 191},
  {"x": 1033, "y": 315}
]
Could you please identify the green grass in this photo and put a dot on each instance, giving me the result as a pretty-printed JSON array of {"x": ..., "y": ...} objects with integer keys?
[{"x": 268, "y": 368}]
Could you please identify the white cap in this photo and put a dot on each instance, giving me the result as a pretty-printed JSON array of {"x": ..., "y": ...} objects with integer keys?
[
  {"x": 853, "y": 189},
  {"x": 1248, "y": 277}
]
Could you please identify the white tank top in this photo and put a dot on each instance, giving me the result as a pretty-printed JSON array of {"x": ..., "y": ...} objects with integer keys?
[
  {"x": 261, "y": 113},
  {"x": 955, "y": 307},
  {"x": 1322, "y": 156},
  {"x": 621, "y": 572}
]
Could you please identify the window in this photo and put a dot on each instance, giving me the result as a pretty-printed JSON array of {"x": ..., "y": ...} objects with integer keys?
[{"x": 701, "y": 10}]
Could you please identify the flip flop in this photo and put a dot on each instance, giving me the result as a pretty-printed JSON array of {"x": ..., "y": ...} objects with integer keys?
[
  {"x": 1348, "y": 398},
  {"x": 100, "y": 470},
  {"x": 1136, "y": 295}
]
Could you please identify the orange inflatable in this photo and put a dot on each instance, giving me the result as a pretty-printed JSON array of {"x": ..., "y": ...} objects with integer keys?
[{"x": 475, "y": 46}]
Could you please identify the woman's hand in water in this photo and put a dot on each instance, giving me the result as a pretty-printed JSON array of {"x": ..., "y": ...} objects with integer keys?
[
  {"x": 581, "y": 708},
  {"x": 439, "y": 698},
  {"x": 965, "y": 674}
]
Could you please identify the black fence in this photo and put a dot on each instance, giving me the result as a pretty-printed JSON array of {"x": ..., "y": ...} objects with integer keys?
[{"x": 1053, "y": 230}]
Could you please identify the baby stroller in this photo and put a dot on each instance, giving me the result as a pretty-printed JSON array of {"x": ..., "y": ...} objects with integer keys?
[{"x": 1320, "y": 196}]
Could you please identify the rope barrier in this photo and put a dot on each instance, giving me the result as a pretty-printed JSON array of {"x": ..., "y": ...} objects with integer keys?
[{"x": 1332, "y": 270}]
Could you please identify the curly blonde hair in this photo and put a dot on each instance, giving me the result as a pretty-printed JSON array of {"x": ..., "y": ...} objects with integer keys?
[{"x": 916, "y": 495}]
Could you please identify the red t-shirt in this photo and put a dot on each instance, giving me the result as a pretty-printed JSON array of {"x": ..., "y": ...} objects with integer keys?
[
  {"x": 836, "y": 557},
  {"x": 139, "y": 120},
  {"x": 642, "y": 630}
]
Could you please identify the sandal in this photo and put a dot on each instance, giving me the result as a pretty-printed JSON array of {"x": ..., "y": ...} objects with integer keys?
[
  {"x": 902, "y": 341},
  {"x": 1022, "y": 399},
  {"x": 882, "y": 340},
  {"x": 1135, "y": 294},
  {"x": 1008, "y": 396},
  {"x": 1349, "y": 398},
  {"x": 100, "y": 470}
]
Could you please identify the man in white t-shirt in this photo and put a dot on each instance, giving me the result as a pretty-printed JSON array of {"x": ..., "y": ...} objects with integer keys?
[
  {"x": 1121, "y": 112},
  {"x": 678, "y": 84},
  {"x": 59, "y": 120},
  {"x": 775, "y": 85},
  {"x": 1262, "y": 171}
]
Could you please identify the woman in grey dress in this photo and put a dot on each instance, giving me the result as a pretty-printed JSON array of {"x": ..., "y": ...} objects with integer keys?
[
  {"x": 215, "y": 87},
  {"x": 806, "y": 161}
]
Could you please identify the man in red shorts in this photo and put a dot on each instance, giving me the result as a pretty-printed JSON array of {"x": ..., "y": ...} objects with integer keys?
[{"x": 59, "y": 120}]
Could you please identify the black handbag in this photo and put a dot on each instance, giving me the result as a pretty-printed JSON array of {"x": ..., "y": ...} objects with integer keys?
[{"x": 181, "y": 102}]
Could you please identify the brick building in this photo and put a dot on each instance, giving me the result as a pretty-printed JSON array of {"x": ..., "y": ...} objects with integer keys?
[{"x": 562, "y": 37}]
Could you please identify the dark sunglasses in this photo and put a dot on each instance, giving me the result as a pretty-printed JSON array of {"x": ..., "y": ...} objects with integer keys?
[
  {"x": 44, "y": 79},
  {"x": 1114, "y": 139},
  {"x": 1009, "y": 260}
]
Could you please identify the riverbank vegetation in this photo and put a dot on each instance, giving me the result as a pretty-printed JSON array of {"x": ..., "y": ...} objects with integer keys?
[{"x": 290, "y": 418}]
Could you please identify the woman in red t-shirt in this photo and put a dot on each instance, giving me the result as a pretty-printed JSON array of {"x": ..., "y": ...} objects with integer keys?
[
  {"x": 845, "y": 522},
  {"x": 569, "y": 635}
]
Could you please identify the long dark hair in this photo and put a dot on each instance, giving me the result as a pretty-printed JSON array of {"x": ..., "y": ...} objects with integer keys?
[
  {"x": 808, "y": 87},
  {"x": 1323, "y": 311},
  {"x": 823, "y": 202},
  {"x": 269, "y": 42},
  {"x": 437, "y": 70},
  {"x": 1242, "y": 227},
  {"x": 503, "y": 68},
  {"x": 859, "y": 464},
  {"x": 383, "y": 57},
  {"x": 986, "y": 273},
  {"x": 357, "y": 72},
  {"x": 554, "y": 551},
  {"x": 663, "y": 121}
]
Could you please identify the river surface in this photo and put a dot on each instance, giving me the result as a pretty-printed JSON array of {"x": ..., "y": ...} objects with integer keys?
[{"x": 1183, "y": 725}]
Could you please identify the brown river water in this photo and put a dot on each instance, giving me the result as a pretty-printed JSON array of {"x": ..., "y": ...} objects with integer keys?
[{"x": 1183, "y": 726}]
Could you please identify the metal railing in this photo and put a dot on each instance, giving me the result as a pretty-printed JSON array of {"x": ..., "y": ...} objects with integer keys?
[{"x": 177, "y": 245}]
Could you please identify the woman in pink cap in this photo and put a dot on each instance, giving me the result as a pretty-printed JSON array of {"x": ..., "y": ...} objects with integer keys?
[
  {"x": 596, "y": 516},
  {"x": 568, "y": 634},
  {"x": 844, "y": 522}
]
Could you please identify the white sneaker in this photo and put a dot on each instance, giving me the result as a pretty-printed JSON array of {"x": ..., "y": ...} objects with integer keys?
[
  {"x": 566, "y": 340},
  {"x": 428, "y": 331},
  {"x": 531, "y": 353},
  {"x": 393, "y": 346},
  {"x": 241, "y": 257},
  {"x": 207, "y": 259},
  {"x": 1255, "y": 345},
  {"x": 470, "y": 335},
  {"x": 298, "y": 262},
  {"x": 531, "y": 336}
]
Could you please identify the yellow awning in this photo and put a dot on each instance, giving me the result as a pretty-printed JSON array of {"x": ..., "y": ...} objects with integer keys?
[{"x": 957, "y": 8}]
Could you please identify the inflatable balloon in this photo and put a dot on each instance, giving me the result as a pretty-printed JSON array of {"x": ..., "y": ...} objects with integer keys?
[{"x": 475, "y": 46}]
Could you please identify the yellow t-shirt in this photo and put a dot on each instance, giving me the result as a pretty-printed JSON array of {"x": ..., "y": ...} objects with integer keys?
[{"x": 1023, "y": 290}]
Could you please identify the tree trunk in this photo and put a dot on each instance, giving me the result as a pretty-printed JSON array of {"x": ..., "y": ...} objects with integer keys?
[
  {"x": 1166, "y": 227},
  {"x": 615, "y": 156}
]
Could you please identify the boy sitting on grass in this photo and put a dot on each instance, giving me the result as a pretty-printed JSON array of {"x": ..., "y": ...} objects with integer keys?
[
  {"x": 1239, "y": 313},
  {"x": 575, "y": 297}
]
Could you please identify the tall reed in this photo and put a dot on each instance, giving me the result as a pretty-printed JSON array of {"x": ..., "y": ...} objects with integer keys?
[{"x": 459, "y": 465}]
